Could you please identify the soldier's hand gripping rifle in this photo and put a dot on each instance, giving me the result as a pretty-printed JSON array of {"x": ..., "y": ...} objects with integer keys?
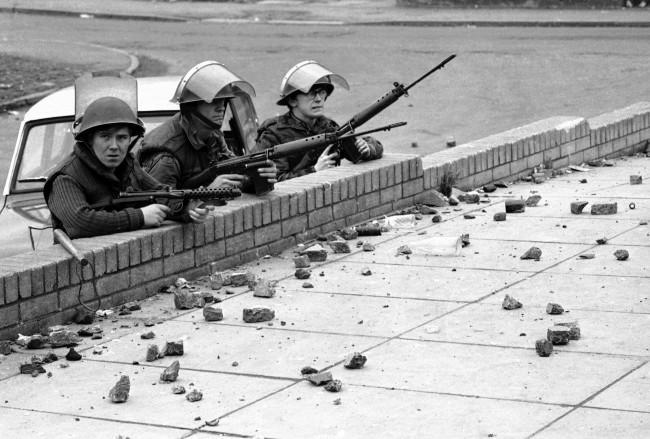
[
  {"x": 349, "y": 151},
  {"x": 217, "y": 196},
  {"x": 249, "y": 164}
]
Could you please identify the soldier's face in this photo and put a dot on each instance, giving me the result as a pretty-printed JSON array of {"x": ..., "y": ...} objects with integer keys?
[
  {"x": 214, "y": 111},
  {"x": 309, "y": 105},
  {"x": 111, "y": 144}
]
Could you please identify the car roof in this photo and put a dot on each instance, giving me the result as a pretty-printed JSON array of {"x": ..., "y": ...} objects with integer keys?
[{"x": 154, "y": 93}]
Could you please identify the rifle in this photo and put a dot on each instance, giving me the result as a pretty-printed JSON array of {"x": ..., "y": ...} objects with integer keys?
[
  {"x": 216, "y": 196},
  {"x": 378, "y": 106},
  {"x": 62, "y": 238},
  {"x": 250, "y": 163}
]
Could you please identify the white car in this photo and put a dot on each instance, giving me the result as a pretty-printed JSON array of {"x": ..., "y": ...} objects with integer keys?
[{"x": 45, "y": 141}]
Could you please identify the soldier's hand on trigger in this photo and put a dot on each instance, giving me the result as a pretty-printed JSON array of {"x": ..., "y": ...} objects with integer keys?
[
  {"x": 270, "y": 172},
  {"x": 326, "y": 159},
  {"x": 198, "y": 211},
  {"x": 154, "y": 214},
  {"x": 363, "y": 147},
  {"x": 232, "y": 180}
]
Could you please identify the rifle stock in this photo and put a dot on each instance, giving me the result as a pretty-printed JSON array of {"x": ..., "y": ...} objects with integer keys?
[{"x": 62, "y": 238}]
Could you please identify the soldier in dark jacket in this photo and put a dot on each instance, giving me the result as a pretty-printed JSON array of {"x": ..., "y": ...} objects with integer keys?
[
  {"x": 180, "y": 151},
  {"x": 304, "y": 90},
  {"x": 100, "y": 167}
]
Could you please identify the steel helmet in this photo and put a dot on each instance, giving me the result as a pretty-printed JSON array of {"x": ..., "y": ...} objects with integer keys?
[
  {"x": 208, "y": 81},
  {"x": 107, "y": 110},
  {"x": 304, "y": 75}
]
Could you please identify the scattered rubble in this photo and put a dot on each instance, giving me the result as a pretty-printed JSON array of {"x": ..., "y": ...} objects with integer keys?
[
  {"x": 333, "y": 386},
  {"x": 469, "y": 197},
  {"x": 574, "y": 329},
  {"x": 152, "y": 353},
  {"x": 315, "y": 253},
  {"x": 582, "y": 180},
  {"x": 256, "y": 315},
  {"x": 426, "y": 210},
  {"x": 587, "y": 256},
  {"x": 170, "y": 374},
  {"x": 194, "y": 396},
  {"x": 435, "y": 199},
  {"x": 89, "y": 331},
  {"x": 453, "y": 200},
  {"x": 5, "y": 347},
  {"x": 510, "y": 303},
  {"x": 264, "y": 288},
  {"x": 515, "y": 206},
  {"x": 621, "y": 255},
  {"x": 36, "y": 341},
  {"x": 308, "y": 370},
  {"x": 500, "y": 216},
  {"x": 533, "y": 200},
  {"x": 301, "y": 261},
  {"x": 601, "y": 241},
  {"x": 404, "y": 250},
  {"x": 558, "y": 335},
  {"x": 578, "y": 206},
  {"x": 212, "y": 313},
  {"x": 302, "y": 273},
  {"x": 178, "y": 389},
  {"x": 554, "y": 308},
  {"x": 436, "y": 218},
  {"x": 147, "y": 335},
  {"x": 368, "y": 247},
  {"x": 215, "y": 281},
  {"x": 173, "y": 348},
  {"x": 185, "y": 299},
  {"x": 355, "y": 361},
  {"x": 604, "y": 209},
  {"x": 532, "y": 253},
  {"x": 349, "y": 233},
  {"x": 369, "y": 230},
  {"x": 469, "y": 216},
  {"x": 307, "y": 285},
  {"x": 489, "y": 188},
  {"x": 120, "y": 392},
  {"x": 636, "y": 179},
  {"x": 366, "y": 271},
  {"x": 319, "y": 378},
  {"x": 33, "y": 369},
  {"x": 339, "y": 246},
  {"x": 64, "y": 338},
  {"x": 73, "y": 355},
  {"x": 543, "y": 347}
]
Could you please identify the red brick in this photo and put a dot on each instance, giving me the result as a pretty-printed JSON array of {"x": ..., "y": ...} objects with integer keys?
[
  {"x": 248, "y": 216},
  {"x": 225, "y": 263},
  {"x": 311, "y": 199},
  {"x": 266, "y": 213},
  {"x": 9, "y": 316},
  {"x": 257, "y": 215},
  {"x": 276, "y": 208},
  {"x": 294, "y": 225},
  {"x": 229, "y": 224},
  {"x": 210, "y": 252},
  {"x": 352, "y": 187},
  {"x": 63, "y": 273},
  {"x": 368, "y": 201},
  {"x": 178, "y": 262},
  {"x": 278, "y": 246},
  {"x": 110, "y": 284},
  {"x": 239, "y": 243},
  {"x": 284, "y": 206},
  {"x": 238, "y": 221},
  {"x": 123, "y": 255},
  {"x": 357, "y": 218},
  {"x": 145, "y": 272},
  {"x": 343, "y": 186},
  {"x": 381, "y": 210},
  {"x": 24, "y": 283},
  {"x": 293, "y": 204},
  {"x": 397, "y": 170},
  {"x": 412, "y": 187},
  {"x": 302, "y": 202},
  {"x": 37, "y": 281},
  {"x": 320, "y": 216},
  {"x": 253, "y": 254},
  {"x": 391, "y": 194},
  {"x": 327, "y": 194},
  {"x": 336, "y": 191},
  {"x": 38, "y": 306},
  {"x": 343, "y": 209},
  {"x": 188, "y": 236},
  {"x": 199, "y": 235},
  {"x": 208, "y": 229},
  {"x": 264, "y": 235}
]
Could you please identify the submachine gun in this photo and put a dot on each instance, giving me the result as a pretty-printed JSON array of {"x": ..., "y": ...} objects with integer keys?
[{"x": 250, "y": 163}]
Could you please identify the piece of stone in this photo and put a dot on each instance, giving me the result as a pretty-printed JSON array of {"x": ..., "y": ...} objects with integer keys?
[
  {"x": 368, "y": 247},
  {"x": 84, "y": 317},
  {"x": 319, "y": 378},
  {"x": 587, "y": 256},
  {"x": 153, "y": 353},
  {"x": 436, "y": 218},
  {"x": 120, "y": 392},
  {"x": 601, "y": 241},
  {"x": 554, "y": 308},
  {"x": 453, "y": 200},
  {"x": 147, "y": 335},
  {"x": 170, "y": 374},
  {"x": 36, "y": 341},
  {"x": 339, "y": 246},
  {"x": 31, "y": 369},
  {"x": 368, "y": 230},
  {"x": 5, "y": 347},
  {"x": 621, "y": 255},
  {"x": 489, "y": 188},
  {"x": 256, "y": 315},
  {"x": 307, "y": 285},
  {"x": 404, "y": 250},
  {"x": 355, "y": 361},
  {"x": 574, "y": 329},
  {"x": 539, "y": 177},
  {"x": 604, "y": 209},
  {"x": 543, "y": 347},
  {"x": 239, "y": 278},
  {"x": 334, "y": 236},
  {"x": 510, "y": 303},
  {"x": 533, "y": 200},
  {"x": 178, "y": 389},
  {"x": 333, "y": 386},
  {"x": 308, "y": 370},
  {"x": 64, "y": 338},
  {"x": 301, "y": 261},
  {"x": 515, "y": 206},
  {"x": 636, "y": 179},
  {"x": 174, "y": 348},
  {"x": 469, "y": 197},
  {"x": 582, "y": 180},
  {"x": 212, "y": 313},
  {"x": 578, "y": 206},
  {"x": 349, "y": 233},
  {"x": 302, "y": 273},
  {"x": 215, "y": 281},
  {"x": 469, "y": 216},
  {"x": 532, "y": 253},
  {"x": 194, "y": 396},
  {"x": 435, "y": 199},
  {"x": 185, "y": 299},
  {"x": 500, "y": 216},
  {"x": 89, "y": 331},
  {"x": 315, "y": 253},
  {"x": 558, "y": 335},
  {"x": 72, "y": 355},
  {"x": 426, "y": 210},
  {"x": 264, "y": 288}
]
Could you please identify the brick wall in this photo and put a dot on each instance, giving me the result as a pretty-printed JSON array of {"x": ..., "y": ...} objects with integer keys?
[
  {"x": 39, "y": 289},
  {"x": 542, "y": 4}
]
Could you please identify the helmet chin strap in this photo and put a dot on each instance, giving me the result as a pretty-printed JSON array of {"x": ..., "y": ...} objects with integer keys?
[{"x": 205, "y": 120}]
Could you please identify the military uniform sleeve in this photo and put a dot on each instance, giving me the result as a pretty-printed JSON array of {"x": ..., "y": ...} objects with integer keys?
[
  {"x": 68, "y": 203},
  {"x": 267, "y": 139},
  {"x": 376, "y": 148}
]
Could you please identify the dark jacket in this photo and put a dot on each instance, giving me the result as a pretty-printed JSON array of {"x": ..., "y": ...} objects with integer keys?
[
  {"x": 286, "y": 128},
  {"x": 173, "y": 153},
  {"x": 82, "y": 181}
]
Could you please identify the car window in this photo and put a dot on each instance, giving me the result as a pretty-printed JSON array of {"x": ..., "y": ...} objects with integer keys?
[{"x": 47, "y": 145}]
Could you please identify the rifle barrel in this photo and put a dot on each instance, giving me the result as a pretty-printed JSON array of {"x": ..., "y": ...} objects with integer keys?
[{"x": 438, "y": 67}]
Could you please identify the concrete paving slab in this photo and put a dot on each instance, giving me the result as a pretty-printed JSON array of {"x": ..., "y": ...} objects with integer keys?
[
  {"x": 485, "y": 371},
  {"x": 266, "y": 351},
  {"x": 336, "y": 313},
  {"x": 367, "y": 412},
  {"x": 631, "y": 393},
  {"x": 31, "y": 424},
  {"x": 590, "y": 423},
  {"x": 605, "y": 262},
  {"x": 413, "y": 282},
  {"x": 486, "y": 254},
  {"x": 582, "y": 291},
  {"x": 489, "y": 324},
  {"x": 82, "y": 390},
  {"x": 638, "y": 236}
]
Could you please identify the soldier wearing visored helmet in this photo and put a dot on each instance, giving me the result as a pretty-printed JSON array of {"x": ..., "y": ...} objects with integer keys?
[
  {"x": 181, "y": 148},
  {"x": 304, "y": 91},
  {"x": 101, "y": 165}
]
